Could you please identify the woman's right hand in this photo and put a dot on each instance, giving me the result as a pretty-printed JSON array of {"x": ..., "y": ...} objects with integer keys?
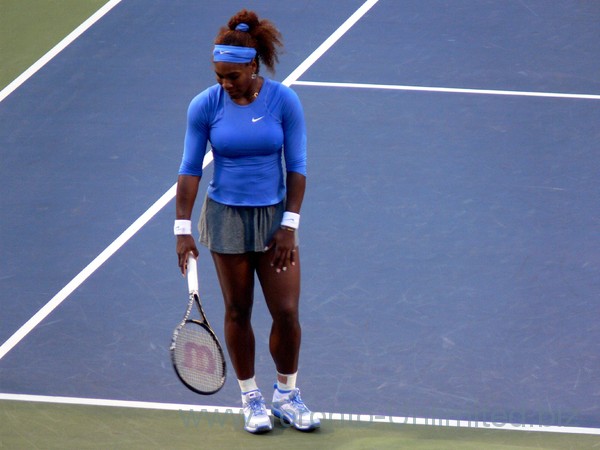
[{"x": 185, "y": 246}]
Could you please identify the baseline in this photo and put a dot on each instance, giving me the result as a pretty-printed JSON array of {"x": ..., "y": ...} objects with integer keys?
[{"x": 359, "y": 418}]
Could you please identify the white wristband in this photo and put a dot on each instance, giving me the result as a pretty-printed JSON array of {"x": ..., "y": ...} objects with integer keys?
[
  {"x": 290, "y": 219},
  {"x": 182, "y": 227}
]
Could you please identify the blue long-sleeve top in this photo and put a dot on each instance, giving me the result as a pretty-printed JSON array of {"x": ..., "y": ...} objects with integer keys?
[{"x": 247, "y": 143}]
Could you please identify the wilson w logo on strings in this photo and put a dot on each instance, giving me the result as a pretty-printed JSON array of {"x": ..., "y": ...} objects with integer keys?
[{"x": 199, "y": 358}]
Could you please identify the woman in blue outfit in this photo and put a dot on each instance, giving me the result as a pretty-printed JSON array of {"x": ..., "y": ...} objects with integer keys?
[{"x": 250, "y": 216}]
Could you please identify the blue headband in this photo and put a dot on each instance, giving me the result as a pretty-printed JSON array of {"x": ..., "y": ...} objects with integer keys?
[{"x": 233, "y": 54}]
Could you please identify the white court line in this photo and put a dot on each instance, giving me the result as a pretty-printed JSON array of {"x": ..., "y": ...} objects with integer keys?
[
  {"x": 57, "y": 49},
  {"x": 84, "y": 274},
  {"x": 328, "y": 43},
  {"x": 359, "y": 418},
  {"x": 161, "y": 202},
  {"x": 92, "y": 267},
  {"x": 447, "y": 90}
]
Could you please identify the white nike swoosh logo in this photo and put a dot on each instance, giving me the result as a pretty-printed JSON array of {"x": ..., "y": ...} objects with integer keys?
[
  {"x": 257, "y": 119},
  {"x": 223, "y": 52}
]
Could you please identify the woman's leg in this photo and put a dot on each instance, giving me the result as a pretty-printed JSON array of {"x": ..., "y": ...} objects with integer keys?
[
  {"x": 282, "y": 295},
  {"x": 282, "y": 292},
  {"x": 236, "y": 277}
]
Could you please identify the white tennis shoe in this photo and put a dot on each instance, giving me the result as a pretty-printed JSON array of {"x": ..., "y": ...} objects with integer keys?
[
  {"x": 289, "y": 407},
  {"x": 256, "y": 418}
]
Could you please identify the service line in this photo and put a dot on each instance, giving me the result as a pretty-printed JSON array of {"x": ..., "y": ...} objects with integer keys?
[{"x": 396, "y": 87}]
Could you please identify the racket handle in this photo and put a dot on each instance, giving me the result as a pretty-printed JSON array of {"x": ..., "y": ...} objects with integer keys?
[{"x": 192, "y": 273}]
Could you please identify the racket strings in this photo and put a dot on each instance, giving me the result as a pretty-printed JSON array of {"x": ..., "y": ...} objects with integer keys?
[{"x": 198, "y": 358}]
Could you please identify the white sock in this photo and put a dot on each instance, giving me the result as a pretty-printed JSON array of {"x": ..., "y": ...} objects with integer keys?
[
  {"x": 248, "y": 385},
  {"x": 289, "y": 384}
]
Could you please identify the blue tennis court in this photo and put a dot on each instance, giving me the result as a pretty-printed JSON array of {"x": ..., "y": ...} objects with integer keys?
[{"x": 450, "y": 244}]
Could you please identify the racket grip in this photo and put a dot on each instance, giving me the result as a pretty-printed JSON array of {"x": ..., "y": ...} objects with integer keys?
[{"x": 192, "y": 273}]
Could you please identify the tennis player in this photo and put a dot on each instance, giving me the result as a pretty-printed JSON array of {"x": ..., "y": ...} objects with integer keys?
[{"x": 250, "y": 216}]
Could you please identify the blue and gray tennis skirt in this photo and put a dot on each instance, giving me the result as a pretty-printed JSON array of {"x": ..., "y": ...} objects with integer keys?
[{"x": 238, "y": 229}]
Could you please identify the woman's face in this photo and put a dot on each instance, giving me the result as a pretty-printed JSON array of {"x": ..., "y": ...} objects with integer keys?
[{"x": 236, "y": 78}]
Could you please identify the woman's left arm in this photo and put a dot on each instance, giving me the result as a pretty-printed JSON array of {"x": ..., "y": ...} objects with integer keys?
[
  {"x": 295, "y": 186},
  {"x": 294, "y": 129},
  {"x": 294, "y": 150},
  {"x": 283, "y": 242}
]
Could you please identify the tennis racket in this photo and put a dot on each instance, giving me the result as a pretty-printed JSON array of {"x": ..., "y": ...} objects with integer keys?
[{"x": 196, "y": 353}]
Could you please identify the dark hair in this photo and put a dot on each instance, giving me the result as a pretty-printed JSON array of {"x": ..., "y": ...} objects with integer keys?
[{"x": 262, "y": 35}]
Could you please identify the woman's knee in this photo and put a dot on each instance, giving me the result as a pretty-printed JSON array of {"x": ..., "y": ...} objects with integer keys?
[
  {"x": 286, "y": 314},
  {"x": 237, "y": 313}
]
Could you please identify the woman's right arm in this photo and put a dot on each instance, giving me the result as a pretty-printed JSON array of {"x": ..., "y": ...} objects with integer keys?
[
  {"x": 187, "y": 189},
  {"x": 190, "y": 173}
]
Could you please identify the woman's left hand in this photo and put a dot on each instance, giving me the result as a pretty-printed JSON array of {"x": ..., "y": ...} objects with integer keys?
[{"x": 283, "y": 246}]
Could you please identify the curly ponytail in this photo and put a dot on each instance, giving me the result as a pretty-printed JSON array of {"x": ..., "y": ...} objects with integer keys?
[{"x": 261, "y": 35}]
